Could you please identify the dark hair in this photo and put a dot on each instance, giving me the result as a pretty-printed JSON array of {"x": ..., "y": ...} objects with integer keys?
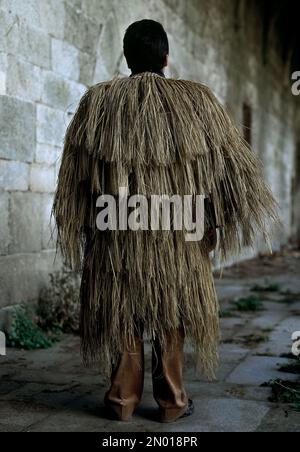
[{"x": 146, "y": 46}]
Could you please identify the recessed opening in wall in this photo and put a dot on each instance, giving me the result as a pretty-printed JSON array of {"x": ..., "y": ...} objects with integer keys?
[{"x": 247, "y": 122}]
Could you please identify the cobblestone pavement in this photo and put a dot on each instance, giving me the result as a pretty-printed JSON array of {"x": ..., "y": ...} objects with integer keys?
[{"x": 50, "y": 391}]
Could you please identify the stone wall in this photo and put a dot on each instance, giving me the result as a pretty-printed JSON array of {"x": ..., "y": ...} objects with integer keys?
[{"x": 51, "y": 50}]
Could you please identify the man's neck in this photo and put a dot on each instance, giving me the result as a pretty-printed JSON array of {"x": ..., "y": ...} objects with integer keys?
[{"x": 161, "y": 73}]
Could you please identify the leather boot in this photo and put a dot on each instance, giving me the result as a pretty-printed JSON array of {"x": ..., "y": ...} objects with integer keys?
[
  {"x": 127, "y": 383},
  {"x": 167, "y": 371}
]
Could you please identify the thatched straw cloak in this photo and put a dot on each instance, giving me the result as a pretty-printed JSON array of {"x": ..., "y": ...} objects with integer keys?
[{"x": 155, "y": 136}]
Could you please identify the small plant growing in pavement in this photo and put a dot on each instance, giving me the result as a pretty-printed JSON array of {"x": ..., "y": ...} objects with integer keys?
[
  {"x": 285, "y": 392},
  {"x": 267, "y": 287},
  {"x": 292, "y": 368},
  {"x": 226, "y": 313},
  {"x": 248, "y": 304}
]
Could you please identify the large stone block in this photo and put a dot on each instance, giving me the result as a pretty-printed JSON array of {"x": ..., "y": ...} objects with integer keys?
[
  {"x": 42, "y": 178},
  {"x": 18, "y": 38},
  {"x": 51, "y": 125},
  {"x": 22, "y": 276},
  {"x": 65, "y": 59},
  {"x": 123, "y": 68},
  {"x": 60, "y": 93},
  {"x": 23, "y": 80},
  {"x": 28, "y": 11},
  {"x": 46, "y": 15},
  {"x": 48, "y": 231},
  {"x": 98, "y": 11},
  {"x": 130, "y": 11},
  {"x": 33, "y": 45},
  {"x": 52, "y": 17},
  {"x": 25, "y": 223},
  {"x": 77, "y": 4},
  {"x": 2, "y": 83},
  {"x": 3, "y": 71},
  {"x": 87, "y": 65},
  {"x": 8, "y": 32},
  {"x": 4, "y": 229},
  {"x": 17, "y": 137},
  {"x": 111, "y": 46},
  {"x": 3, "y": 61},
  {"x": 81, "y": 31},
  {"x": 47, "y": 154},
  {"x": 101, "y": 73},
  {"x": 110, "y": 59},
  {"x": 58, "y": 166},
  {"x": 14, "y": 175}
]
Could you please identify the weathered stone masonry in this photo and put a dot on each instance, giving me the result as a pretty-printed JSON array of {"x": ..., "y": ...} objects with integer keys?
[{"x": 51, "y": 50}]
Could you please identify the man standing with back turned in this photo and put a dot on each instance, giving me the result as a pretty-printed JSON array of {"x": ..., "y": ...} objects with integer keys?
[{"x": 154, "y": 136}]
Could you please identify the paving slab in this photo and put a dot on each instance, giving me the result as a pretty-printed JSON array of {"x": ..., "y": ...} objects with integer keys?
[
  {"x": 281, "y": 420},
  {"x": 21, "y": 414},
  {"x": 257, "y": 370},
  {"x": 268, "y": 321},
  {"x": 280, "y": 340},
  {"x": 223, "y": 415}
]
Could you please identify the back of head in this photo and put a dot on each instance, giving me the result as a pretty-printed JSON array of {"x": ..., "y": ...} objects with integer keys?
[{"x": 146, "y": 46}]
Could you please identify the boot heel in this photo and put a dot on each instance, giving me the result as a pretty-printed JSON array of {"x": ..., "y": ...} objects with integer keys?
[
  {"x": 168, "y": 416},
  {"x": 121, "y": 413},
  {"x": 173, "y": 415}
]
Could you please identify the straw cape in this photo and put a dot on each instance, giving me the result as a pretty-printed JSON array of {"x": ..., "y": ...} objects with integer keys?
[{"x": 154, "y": 136}]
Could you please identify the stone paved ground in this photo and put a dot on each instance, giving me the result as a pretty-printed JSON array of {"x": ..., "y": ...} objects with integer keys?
[{"x": 49, "y": 391}]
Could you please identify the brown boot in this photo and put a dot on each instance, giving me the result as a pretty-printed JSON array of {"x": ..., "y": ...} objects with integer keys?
[
  {"x": 127, "y": 384},
  {"x": 168, "y": 386}
]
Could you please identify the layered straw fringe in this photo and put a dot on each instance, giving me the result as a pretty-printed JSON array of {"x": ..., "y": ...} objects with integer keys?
[{"x": 156, "y": 136}]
